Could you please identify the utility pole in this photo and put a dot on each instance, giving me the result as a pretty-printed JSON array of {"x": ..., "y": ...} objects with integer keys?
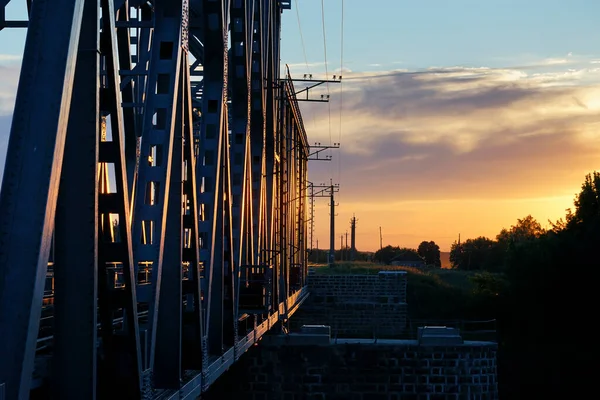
[
  {"x": 352, "y": 238},
  {"x": 332, "y": 228},
  {"x": 328, "y": 191},
  {"x": 380, "y": 239},
  {"x": 346, "y": 248},
  {"x": 312, "y": 214},
  {"x": 342, "y": 248}
]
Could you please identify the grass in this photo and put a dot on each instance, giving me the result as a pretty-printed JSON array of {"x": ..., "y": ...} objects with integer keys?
[
  {"x": 437, "y": 276},
  {"x": 431, "y": 293}
]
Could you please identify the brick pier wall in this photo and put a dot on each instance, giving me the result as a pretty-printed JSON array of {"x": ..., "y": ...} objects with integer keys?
[
  {"x": 356, "y": 305},
  {"x": 387, "y": 370}
]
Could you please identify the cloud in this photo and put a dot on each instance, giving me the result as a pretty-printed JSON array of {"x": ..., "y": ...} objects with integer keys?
[
  {"x": 462, "y": 133},
  {"x": 5, "y": 122},
  {"x": 556, "y": 61},
  {"x": 8, "y": 86},
  {"x": 535, "y": 166},
  {"x": 344, "y": 70},
  {"x": 9, "y": 58}
]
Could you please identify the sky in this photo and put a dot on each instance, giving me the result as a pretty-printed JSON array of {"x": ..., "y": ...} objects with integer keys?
[
  {"x": 454, "y": 117},
  {"x": 457, "y": 117}
]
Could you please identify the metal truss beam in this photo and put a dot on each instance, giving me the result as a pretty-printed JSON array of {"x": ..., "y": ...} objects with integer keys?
[
  {"x": 30, "y": 185},
  {"x": 172, "y": 187},
  {"x": 152, "y": 198},
  {"x": 120, "y": 365},
  {"x": 76, "y": 255},
  {"x": 213, "y": 172}
]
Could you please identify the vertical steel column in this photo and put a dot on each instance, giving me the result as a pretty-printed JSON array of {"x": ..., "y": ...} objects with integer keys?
[
  {"x": 167, "y": 363},
  {"x": 281, "y": 140},
  {"x": 31, "y": 182},
  {"x": 298, "y": 153},
  {"x": 270, "y": 148},
  {"x": 76, "y": 227},
  {"x": 128, "y": 94},
  {"x": 192, "y": 285},
  {"x": 292, "y": 209},
  {"x": 212, "y": 168},
  {"x": 257, "y": 132},
  {"x": 303, "y": 215},
  {"x": 120, "y": 356},
  {"x": 270, "y": 124},
  {"x": 239, "y": 85},
  {"x": 300, "y": 217},
  {"x": 152, "y": 199},
  {"x": 230, "y": 299}
]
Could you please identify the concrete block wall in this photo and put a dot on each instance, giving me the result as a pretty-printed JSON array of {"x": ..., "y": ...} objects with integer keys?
[
  {"x": 356, "y": 305},
  {"x": 385, "y": 287},
  {"x": 382, "y": 371}
]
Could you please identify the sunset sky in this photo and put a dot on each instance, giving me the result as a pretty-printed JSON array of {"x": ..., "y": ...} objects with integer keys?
[{"x": 458, "y": 116}]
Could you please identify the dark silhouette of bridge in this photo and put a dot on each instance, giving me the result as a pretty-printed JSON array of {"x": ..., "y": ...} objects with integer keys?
[{"x": 153, "y": 206}]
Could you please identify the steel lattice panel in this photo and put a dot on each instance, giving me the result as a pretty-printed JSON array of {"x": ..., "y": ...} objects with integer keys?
[{"x": 156, "y": 167}]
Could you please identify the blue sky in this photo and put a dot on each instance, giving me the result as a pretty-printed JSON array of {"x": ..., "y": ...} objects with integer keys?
[
  {"x": 458, "y": 116},
  {"x": 422, "y": 34}
]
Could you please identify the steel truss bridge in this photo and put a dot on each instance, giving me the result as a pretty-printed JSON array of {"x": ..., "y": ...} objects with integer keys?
[{"x": 153, "y": 207}]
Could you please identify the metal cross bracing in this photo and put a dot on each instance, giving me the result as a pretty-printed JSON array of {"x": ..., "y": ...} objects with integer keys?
[{"x": 153, "y": 207}]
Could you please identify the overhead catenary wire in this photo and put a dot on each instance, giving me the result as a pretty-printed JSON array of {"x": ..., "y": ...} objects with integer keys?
[
  {"x": 326, "y": 74},
  {"x": 302, "y": 37},
  {"x": 341, "y": 97}
]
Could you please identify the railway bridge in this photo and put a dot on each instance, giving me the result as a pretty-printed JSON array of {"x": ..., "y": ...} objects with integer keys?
[{"x": 153, "y": 206}]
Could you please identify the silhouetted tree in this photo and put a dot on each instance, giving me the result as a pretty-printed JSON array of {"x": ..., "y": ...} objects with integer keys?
[
  {"x": 476, "y": 254},
  {"x": 587, "y": 202},
  {"x": 386, "y": 254},
  {"x": 552, "y": 271},
  {"x": 525, "y": 229},
  {"x": 430, "y": 252}
]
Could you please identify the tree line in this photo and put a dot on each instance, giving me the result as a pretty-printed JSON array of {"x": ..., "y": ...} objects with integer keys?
[
  {"x": 541, "y": 288},
  {"x": 485, "y": 254},
  {"x": 428, "y": 252}
]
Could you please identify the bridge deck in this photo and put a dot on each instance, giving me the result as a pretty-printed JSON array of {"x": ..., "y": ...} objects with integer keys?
[{"x": 197, "y": 382}]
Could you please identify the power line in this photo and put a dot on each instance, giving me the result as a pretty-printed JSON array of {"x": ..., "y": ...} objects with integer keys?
[
  {"x": 341, "y": 97},
  {"x": 302, "y": 38},
  {"x": 324, "y": 41},
  {"x": 326, "y": 68}
]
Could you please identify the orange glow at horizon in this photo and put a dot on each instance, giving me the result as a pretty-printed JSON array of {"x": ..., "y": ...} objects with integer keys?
[{"x": 406, "y": 224}]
